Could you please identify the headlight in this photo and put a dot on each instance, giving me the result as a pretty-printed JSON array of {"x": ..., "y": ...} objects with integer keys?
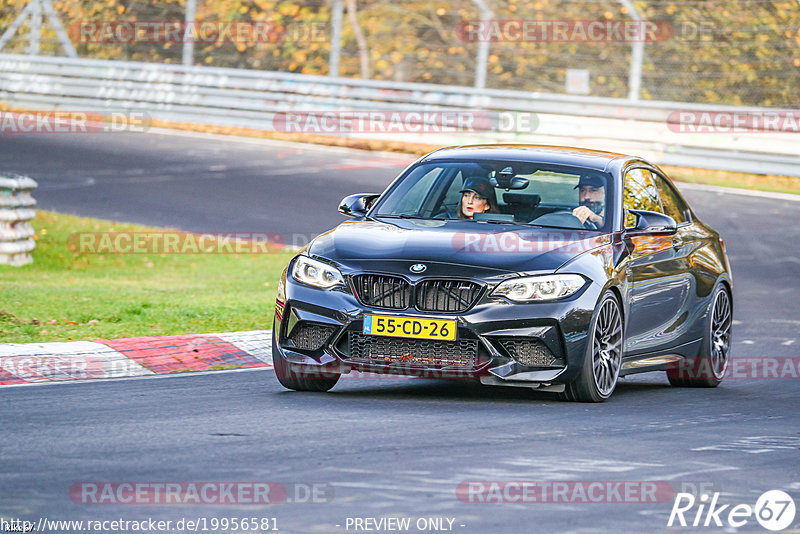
[
  {"x": 315, "y": 273},
  {"x": 539, "y": 288}
]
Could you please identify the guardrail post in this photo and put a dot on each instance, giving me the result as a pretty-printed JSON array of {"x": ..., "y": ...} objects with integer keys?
[
  {"x": 482, "y": 63},
  {"x": 188, "y": 34},
  {"x": 637, "y": 55},
  {"x": 336, "y": 37},
  {"x": 35, "y": 33},
  {"x": 16, "y": 213}
]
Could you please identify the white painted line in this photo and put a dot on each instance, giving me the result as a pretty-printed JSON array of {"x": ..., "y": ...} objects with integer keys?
[
  {"x": 737, "y": 191},
  {"x": 139, "y": 377},
  {"x": 64, "y": 348}
]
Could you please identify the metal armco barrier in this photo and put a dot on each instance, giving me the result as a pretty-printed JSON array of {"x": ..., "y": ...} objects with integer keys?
[
  {"x": 251, "y": 99},
  {"x": 16, "y": 212}
]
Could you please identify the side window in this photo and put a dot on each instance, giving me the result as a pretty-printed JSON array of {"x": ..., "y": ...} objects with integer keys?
[
  {"x": 674, "y": 206},
  {"x": 639, "y": 193}
]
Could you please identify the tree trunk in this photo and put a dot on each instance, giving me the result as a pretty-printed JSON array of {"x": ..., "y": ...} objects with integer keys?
[{"x": 363, "y": 49}]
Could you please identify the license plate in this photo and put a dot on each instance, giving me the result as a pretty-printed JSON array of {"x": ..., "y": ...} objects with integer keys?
[{"x": 384, "y": 325}]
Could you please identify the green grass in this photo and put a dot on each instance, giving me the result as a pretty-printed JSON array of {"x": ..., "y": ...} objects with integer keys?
[{"x": 65, "y": 295}]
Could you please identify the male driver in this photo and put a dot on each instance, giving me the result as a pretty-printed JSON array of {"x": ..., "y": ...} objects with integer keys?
[{"x": 592, "y": 199}]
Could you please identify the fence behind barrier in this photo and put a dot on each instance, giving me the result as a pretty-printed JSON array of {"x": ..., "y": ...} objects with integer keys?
[{"x": 758, "y": 140}]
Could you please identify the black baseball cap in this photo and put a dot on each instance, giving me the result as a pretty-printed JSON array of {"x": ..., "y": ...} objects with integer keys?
[
  {"x": 479, "y": 185},
  {"x": 592, "y": 180}
]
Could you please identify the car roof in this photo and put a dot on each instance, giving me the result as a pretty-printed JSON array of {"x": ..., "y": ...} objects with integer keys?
[{"x": 556, "y": 155}]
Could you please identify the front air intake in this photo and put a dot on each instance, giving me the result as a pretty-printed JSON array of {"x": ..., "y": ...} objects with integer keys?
[
  {"x": 448, "y": 296},
  {"x": 530, "y": 352},
  {"x": 310, "y": 336},
  {"x": 382, "y": 291}
]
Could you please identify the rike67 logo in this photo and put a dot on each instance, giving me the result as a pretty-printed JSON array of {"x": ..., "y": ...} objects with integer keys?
[{"x": 774, "y": 510}]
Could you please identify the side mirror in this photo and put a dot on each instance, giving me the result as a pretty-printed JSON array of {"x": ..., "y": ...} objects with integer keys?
[
  {"x": 357, "y": 205},
  {"x": 652, "y": 222}
]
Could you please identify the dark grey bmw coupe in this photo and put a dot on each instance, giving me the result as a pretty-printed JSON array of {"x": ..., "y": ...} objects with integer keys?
[{"x": 553, "y": 268}]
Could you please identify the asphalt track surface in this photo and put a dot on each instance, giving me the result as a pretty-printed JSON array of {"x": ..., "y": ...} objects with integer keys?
[{"x": 390, "y": 447}]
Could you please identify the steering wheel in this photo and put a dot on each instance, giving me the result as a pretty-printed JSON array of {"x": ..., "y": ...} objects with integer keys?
[
  {"x": 564, "y": 217},
  {"x": 443, "y": 211}
]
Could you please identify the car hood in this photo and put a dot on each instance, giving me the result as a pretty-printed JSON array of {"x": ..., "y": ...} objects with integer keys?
[{"x": 490, "y": 248}]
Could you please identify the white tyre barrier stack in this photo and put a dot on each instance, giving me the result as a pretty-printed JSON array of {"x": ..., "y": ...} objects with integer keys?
[{"x": 16, "y": 212}]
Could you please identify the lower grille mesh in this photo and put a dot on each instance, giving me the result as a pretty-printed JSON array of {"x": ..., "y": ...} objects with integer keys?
[
  {"x": 531, "y": 352},
  {"x": 310, "y": 336},
  {"x": 414, "y": 352}
]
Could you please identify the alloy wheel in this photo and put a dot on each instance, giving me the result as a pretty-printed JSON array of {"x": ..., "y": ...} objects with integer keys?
[
  {"x": 607, "y": 348},
  {"x": 721, "y": 322}
]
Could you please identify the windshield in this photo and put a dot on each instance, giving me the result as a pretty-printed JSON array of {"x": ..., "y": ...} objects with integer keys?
[{"x": 507, "y": 192}]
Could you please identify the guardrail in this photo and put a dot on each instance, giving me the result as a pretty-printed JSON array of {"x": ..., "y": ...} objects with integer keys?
[
  {"x": 251, "y": 99},
  {"x": 16, "y": 212}
]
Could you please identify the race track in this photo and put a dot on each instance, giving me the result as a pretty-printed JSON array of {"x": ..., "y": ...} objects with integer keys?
[{"x": 389, "y": 447}]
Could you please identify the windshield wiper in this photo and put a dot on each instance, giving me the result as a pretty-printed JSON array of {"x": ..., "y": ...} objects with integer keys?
[
  {"x": 558, "y": 227},
  {"x": 496, "y": 221},
  {"x": 402, "y": 216}
]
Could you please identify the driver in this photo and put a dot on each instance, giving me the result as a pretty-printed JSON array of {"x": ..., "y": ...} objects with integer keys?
[
  {"x": 477, "y": 196},
  {"x": 592, "y": 198}
]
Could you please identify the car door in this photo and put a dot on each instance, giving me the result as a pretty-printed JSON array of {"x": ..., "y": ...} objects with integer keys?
[
  {"x": 659, "y": 283},
  {"x": 689, "y": 240}
]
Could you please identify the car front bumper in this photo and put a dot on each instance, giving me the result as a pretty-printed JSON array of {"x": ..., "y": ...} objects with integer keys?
[{"x": 539, "y": 345}]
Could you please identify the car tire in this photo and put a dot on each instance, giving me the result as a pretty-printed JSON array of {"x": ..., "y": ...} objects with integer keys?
[
  {"x": 291, "y": 380},
  {"x": 707, "y": 369},
  {"x": 601, "y": 366}
]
